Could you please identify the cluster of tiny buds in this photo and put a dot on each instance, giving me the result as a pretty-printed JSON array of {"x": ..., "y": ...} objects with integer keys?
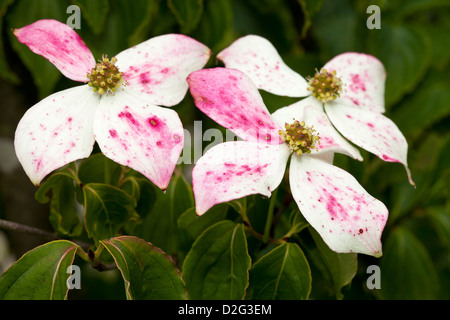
[
  {"x": 105, "y": 76},
  {"x": 325, "y": 86},
  {"x": 299, "y": 137}
]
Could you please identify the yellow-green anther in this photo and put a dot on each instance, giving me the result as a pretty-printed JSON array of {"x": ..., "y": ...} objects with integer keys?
[
  {"x": 325, "y": 86},
  {"x": 105, "y": 76},
  {"x": 299, "y": 137}
]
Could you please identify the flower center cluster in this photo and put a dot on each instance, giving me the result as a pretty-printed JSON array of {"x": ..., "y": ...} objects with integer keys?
[
  {"x": 325, "y": 86},
  {"x": 299, "y": 137},
  {"x": 105, "y": 76}
]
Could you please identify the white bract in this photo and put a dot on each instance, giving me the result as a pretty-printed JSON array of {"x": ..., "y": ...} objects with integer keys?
[
  {"x": 334, "y": 203},
  {"x": 119, "y": 108},
  {"x": 349, "y": 88}
]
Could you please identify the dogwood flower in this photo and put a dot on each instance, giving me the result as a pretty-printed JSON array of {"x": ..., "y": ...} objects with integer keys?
[
  {"x": 350, "y": 86},
  {"x": 334, "y": 203},
  {"x": 119, "y": 108}
]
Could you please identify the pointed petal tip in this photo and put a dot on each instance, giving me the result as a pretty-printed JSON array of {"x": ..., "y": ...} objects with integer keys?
[
  {"x": 378, "y": 254},
  {"x": 410, "y": 179},
  {"x": 36, "y": 183},
  {"x": 199, "y": 212}
]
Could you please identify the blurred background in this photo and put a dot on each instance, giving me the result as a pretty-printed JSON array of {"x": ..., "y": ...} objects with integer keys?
[{"x": 412, "y": 41}]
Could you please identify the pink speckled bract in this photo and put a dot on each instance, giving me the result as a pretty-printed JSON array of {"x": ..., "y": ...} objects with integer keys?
[
  {"x": 345, "y": 215},
  {"x": 231, "y": 99},
  {"x": 333, "y": 202},
  {"x": 129, "y": 126},
  {"x": 363, "y": 77},
  {"x": 59, "y": 44}
]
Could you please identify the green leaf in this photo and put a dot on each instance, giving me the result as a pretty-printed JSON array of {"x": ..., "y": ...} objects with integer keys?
[
  {"x": 440, "y": 218},
  {"x": 147, "y": 271},
  {"x": 5, "y": 71},
  {"x": 99, "y": 169},
  {"x": 336, "y": 269},
  {"x": 216, "y": 23},
  {"x": 94, "y": 12},
  {"x": 136, "y": 19},
  {"x": 337, "y": 29},
  {"x": 187, "y": 13},
  {"x": 194, "y": 225},
  {"x": 424, "y": 165},
  {"x": 272, "y": 19},
  {"x": 426, "y": 106},
  {"x": 40, "y": 274},
  {"x": 437, "y": 30},
  {"x": 24, "y": 12},
  {"x": 107, "y": 208},
  {"x": 310, "y": 8},
  {"x": 217, "y": 265},
  {"x": 64, "y": 216},
  {"x": 281, "y": 274},
  {"x": 142, "y": 190},
  {"x": 404, "y": 8},
  {"x": 296, "y": 223},
  {"x": 406, "y": 268},
  {"x": 406, "y": 55},
  {"x": 162, "y": 220}
]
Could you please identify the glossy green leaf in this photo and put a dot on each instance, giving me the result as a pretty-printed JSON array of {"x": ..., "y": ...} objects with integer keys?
[
  {"x": 162, "y": 220},
  {"x": 407, "y": 271},
  {"x": 423, "y": 167},
  {"x": 440, "y": 218},
  {"x": 216, "y": 23},
  {"x": 107, "y": 208},
  {"x": 65, "y": 216},
  {"x": 281, "y": 274},
  {"x": 99, "y": 169},
  {"x": 406, "y": 55},
  {"x": 296, "y": 223},
  {"x": 217, "y": 265},
  {"x": 336, "y": 28},
  {"x": 41, "y": 274},
  {"x": 187, "y": 13},
  {"x": 142, "y": 190},
  {"x": 194, "y": 225},
  {"x": 135, "y": 20},
  {"x": 427, "y": 105},
  {"x": 148, "y": 273},
  {"x": 336, "y": 269},
  {"x": 94, "y": 12}
]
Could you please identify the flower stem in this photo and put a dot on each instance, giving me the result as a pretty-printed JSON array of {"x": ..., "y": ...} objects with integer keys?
[{"x": 269, "y": 220}]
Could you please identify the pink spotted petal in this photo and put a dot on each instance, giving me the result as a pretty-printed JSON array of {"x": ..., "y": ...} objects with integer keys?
[
  {"x": 232, "y": 170},
  {"x": 158, "y": 67},
  {"x": 337, "y": 206},
  {"x": 363, "y": 77},
  {"x": 258, "y": 59},
  {"x": 56, "y": 131},
  {"x": 371, "y": 131},
  {"x": 310, "y": 111},
  {"x": 231, "y": 99},
  {"x": 61, "y": 45},
  {"x": 146, "y": 138}
]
